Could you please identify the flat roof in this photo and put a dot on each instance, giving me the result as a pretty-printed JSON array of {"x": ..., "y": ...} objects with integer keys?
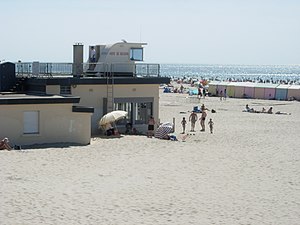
[{"x": 7, "y": 98}]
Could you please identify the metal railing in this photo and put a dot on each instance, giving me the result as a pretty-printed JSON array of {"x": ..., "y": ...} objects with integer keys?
[{"x": 39, "y": 69}]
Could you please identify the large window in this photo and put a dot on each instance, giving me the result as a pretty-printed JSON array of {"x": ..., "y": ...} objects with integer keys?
[
  {"x": 139, "y": 109},
  {"x": 31, "y": 122},
  {"x": 136, "y": 54}
]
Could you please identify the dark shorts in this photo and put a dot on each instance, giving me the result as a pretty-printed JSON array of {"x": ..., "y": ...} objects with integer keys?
[
  {"x": 150, "y": 127},
  {"x": 203, "y": 118}
]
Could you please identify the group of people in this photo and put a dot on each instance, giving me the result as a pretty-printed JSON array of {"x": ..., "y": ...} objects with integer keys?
[
  {"x": 269, "y": 111},
  {"x": 193, "y": 119}
]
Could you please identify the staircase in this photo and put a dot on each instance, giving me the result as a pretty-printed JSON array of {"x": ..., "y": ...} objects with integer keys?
[
  {"x": 110, "y": 87},
  {"x": 19, "y": 85}
]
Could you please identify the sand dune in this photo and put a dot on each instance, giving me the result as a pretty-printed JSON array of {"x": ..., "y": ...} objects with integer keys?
[{"x": 247, "y": 172}]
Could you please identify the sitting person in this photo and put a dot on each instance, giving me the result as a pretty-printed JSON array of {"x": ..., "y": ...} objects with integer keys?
[
  {"x": 263, "y": 110},
  {"x": 4, "y": 144},
  {"x": 109, "y": 129},
  {"x": 270, "y": 111}
]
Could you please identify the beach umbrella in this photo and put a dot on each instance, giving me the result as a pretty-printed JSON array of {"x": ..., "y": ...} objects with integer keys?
[
  {"x": 163, "y": 130},
  {"x": 112, "y": 117}
]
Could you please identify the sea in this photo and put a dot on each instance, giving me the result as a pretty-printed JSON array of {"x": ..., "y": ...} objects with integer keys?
[{"x": 261, "y": 73}]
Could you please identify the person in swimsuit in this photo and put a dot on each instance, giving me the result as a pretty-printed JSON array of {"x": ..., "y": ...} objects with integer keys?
[
  {"x": 202, "y": 119},
  {"x": 151, "y": 123},
  {"x": 193, "y": 118}
]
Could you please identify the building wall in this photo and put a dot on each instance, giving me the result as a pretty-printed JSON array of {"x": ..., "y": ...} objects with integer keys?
[
  {"x": 57, "y": 124},
  {"x": 93, "y": 96}
]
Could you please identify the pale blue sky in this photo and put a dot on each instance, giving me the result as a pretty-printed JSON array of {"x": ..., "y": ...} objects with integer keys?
[{"x": 177, "y": 31}]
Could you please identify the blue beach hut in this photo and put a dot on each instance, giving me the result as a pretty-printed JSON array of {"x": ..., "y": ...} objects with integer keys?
[{"x": 281, "y": 92}]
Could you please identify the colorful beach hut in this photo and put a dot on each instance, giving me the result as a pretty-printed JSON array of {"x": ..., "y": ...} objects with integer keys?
[
  {"x": 222, "y": 86},
  {"x": 239, "y": 89},
  {"x": 249, "y": 90},
  {"x": 212, "y": 87},
  {"x": 294, "y": 92},
  {"x": 281, "y": 92},
  {"x": 231, "y": 89},
  {"x": 264, "y": 90}
]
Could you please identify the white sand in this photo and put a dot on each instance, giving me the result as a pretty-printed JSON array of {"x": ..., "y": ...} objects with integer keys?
[{"x": 247, "y": 172}]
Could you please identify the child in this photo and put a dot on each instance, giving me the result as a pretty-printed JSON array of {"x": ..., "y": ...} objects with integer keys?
[
  {"x": 183, "y": 123},
  {"x": 211, "y": 125}
]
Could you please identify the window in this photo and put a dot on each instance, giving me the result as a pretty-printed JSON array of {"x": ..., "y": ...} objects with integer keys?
[
  {"x": 136, "y": 54},
  {"x": 142, "y": 112},
  {"x": 65, "y": 90},
  {"x": 31, "y": 122}
]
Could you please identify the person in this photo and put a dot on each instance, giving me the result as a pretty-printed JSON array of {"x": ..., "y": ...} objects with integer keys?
[
  {"x": 225, "y": 94},
  {"x": 247, "y": 108},
  {"x": 270, "y": 110},
  {"x": 211, "y": 125},
  {"x": 93, "y": 55},
  {"x": 193, "y": 118},
  {"x": 181, "y": 89},
  {"x": 183, "y": 123},
  {"x": 263, "y": 110},
  {"x": 4, "y": 144},
  {"x": 204, "y": 92},
  {"x": 151, "y": 123},
  {"x": 221, "y": 95},
  {"x": 109, "y": 129},
  {"x": 199, "y": 93},
  {"x": 202, "y": 119}
]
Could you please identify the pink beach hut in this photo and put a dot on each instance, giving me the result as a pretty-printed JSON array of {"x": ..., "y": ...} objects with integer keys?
[
  {"x": 294, "y": 92},
  {"x": 249, "y": 90},
  {"x": 264, "y": 91},
  {"x": 222, "y": 86},
  {"x": 281, "y": 92}
]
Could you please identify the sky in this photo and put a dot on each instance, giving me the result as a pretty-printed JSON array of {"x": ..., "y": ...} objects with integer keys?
[{"x": 251, "y": 32}]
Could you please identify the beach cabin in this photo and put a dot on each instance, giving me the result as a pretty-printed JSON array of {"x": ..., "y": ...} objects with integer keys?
[
  {"x": 231, "y": 89},
  {"x": 239, "y": 89},
  {"x": 249, "y": 90},
  {"x": 212, "y": 87},
  {"x": 294, "y": 92},
  {"x": 222, "y": 86},
  {"x": 281, "y": 92},
  {"x": 264, "y": 90},
  {"x": 28, "y": 119}
]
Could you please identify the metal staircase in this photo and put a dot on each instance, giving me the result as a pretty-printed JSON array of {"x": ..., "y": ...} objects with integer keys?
[{"x": 110, "y": 87}]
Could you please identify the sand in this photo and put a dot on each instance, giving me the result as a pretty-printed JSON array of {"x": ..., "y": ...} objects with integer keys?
[{"x": 247, "y": 172}]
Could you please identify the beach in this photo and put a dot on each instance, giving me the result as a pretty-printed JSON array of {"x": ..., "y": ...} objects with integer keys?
[{"x": 246, "y": 172}]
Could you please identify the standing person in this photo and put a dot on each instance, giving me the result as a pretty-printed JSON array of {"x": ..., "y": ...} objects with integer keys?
[
  {"x": 225, "y": 94},
  {"x": 193, "y": 118},
  {"x": 199, "y": 93},
  {"x": 93, "y": 55},
  {"x": 221, "y": 95},
  {"x": 211, "y": 125},
  {"x": 151, "y": 123},
  {"x": 202, "y": 119},
  {"x": 204, "y": 92},
  {"x": 181, "y": 89},
  {"x": 183, "y": 123},
  {"x": 4, "y": 144}
]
